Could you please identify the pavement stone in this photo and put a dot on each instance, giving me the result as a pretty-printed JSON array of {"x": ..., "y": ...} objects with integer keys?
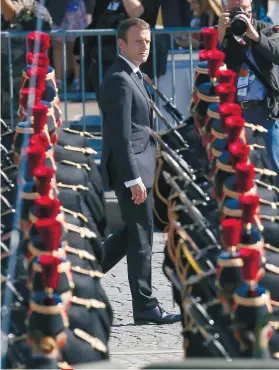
[{"x": 134, "y": 346}]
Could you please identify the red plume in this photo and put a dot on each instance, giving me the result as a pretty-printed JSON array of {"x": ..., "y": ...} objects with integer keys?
[
  {"x": 41, "y": 39},
  {"x": 234, "y": 126},
  {"x": 231, "y": 229},
  {"x": 227, "y": 76},
  {"x": 40, "y": 59},
  {"x": 26, "y": 92},
  {"x": 210, "y": 38},
  {"x": 39, "y": 140},
  {"x": 46, "y": 207},
  {"x": 215, "y": 60},
  {"x": 39, "y": 113},
  {"x": 244, "y": 177},
  {"x": 229, "y": 109},
  {"x": 50, "y": 232},
  {"x": 239, "y": 153},
  {"x": 251, "y": 263},
  {"x": 39, "y": 74},
  {"x": 44, "y": 175},
  {"x": 249, "y": 205},
  {"x": 226, "y": 92},
  {"x": 203, "y": 55},
  {"x": 35, "y": 159},
  {"x": 50, "y": 273}
]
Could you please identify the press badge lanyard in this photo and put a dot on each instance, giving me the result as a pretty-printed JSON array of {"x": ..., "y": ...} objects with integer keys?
[{"x": 245, "y": 78}]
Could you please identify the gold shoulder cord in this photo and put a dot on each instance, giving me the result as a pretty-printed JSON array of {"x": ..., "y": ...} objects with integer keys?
[
  {"x": 265, "y": 172},
  {"x": 81, "y": 150},
  {"x": 255, "y": 127},
  {"x": 273, "y": 205},
  {"x": 73, "y": 187},
  {"x": 82, "y": 231},
  {"x": 81, "y": 253},
  {"x": 271, "y": 248},
  {"x": 77, "y": 165},
  {"x": 92, "y": 273},
  {"x": 80, "y": 133},
  {"x": 74, "y": 214},
  {"x": 268, "y": 186},
  {"x": 88, "y": 303},
  {"x": 256, "y": 146},
  {"x": 93, "y": 341}
]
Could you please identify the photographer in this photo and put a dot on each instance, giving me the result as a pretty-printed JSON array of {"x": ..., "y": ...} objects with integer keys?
[{"x": 252, "y": 49}]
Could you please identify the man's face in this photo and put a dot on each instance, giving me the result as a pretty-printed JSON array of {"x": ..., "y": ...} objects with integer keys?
[
  {"x": 136, "y": 46},
  {"x": 228, "y": 5}
]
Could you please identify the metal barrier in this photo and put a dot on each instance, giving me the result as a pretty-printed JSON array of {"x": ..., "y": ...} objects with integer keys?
[{"x": 99, "y": 34}]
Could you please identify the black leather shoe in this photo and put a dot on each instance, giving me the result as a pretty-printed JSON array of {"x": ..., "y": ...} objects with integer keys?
[{"x": 156, "y": 315}]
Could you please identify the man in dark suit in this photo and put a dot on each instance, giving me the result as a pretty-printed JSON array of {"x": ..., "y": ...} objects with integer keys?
[{"x": 128, "y": 166}]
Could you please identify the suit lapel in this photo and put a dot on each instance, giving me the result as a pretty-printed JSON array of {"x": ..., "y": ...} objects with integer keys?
[{"x": 140, "y": 85}]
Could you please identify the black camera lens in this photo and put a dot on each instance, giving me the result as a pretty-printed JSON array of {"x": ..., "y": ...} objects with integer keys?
[
  {"x": 238, "y": 24},
  {"x": 239, "y": 27}
]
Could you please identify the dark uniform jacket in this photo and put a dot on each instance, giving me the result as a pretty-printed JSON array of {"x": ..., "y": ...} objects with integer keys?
[{"x": 265, "y": 52}]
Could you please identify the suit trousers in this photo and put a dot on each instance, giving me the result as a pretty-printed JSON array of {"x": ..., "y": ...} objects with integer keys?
[{"x": 134, "y": 241}]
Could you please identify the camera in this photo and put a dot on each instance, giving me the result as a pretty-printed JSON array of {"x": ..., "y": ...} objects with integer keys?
[{"x": 238, "y": 24}]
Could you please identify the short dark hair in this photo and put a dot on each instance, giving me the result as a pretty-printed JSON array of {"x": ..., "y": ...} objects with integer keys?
[{"x": 127, "y": 24}]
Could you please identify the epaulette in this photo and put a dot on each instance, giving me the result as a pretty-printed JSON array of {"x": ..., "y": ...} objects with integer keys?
[
  {"x": 80, "y": 133},
  {"x": 276, "y": 28}
]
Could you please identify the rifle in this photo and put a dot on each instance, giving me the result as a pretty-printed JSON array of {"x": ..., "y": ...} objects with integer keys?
[{"x": 168, "y": 106}]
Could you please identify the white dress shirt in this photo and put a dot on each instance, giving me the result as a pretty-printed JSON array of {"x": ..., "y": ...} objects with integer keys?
[{"x": 135, "y": 69}]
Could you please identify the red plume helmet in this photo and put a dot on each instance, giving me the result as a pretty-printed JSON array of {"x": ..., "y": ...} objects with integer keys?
[
  {"x": 215, "y": 60},
  {"x": 39, "y": 74},
  {"x": 50, "y": 232},
  {"x": 231, "y": 229},
  {"x": 227, "y": 77},
  {"x": 42, "y": 39},
  {"x": 50, "y": 274},
  {"x": 44, "y": 175},
  {"x": 24, "y": 96},
  {"x": 234, "y": 126},
  {"x": 251, "y": 263},
  {"x": 210, "y": 38},
  {"x": 249, "y": 205},
  {"x": 226, "y": 92},
  {"x": 244, "y": 177},
  {"x": 40, "y": 59},
  {"x": 35, "y": 158},
  {"x": 46, "y": 207}
]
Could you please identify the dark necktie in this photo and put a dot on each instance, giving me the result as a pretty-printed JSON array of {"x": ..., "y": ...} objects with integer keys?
[{"x": 140, "y": 77}]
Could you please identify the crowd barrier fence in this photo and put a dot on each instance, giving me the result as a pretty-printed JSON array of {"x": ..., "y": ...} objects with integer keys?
[{"x": 100, "y": 34}]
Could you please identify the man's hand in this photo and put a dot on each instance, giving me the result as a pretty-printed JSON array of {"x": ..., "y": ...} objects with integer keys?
[
  {"x": 223, "y": 24},
  {"x": 138, "y": 193},
  {"x": 251, "y": 33}
]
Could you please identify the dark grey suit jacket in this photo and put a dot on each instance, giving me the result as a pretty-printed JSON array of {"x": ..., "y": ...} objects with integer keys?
[{"x": 128, "y": 151}]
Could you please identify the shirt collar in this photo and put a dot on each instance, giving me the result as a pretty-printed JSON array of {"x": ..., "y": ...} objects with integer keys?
[{"x": 132, "y": 65}]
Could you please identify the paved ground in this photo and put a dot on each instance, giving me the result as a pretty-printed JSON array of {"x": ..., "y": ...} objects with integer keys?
[{"x": 134, "y": 346}]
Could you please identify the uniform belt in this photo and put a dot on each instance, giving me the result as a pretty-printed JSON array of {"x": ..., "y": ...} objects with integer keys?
[{"x": 246, "y": 104}]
